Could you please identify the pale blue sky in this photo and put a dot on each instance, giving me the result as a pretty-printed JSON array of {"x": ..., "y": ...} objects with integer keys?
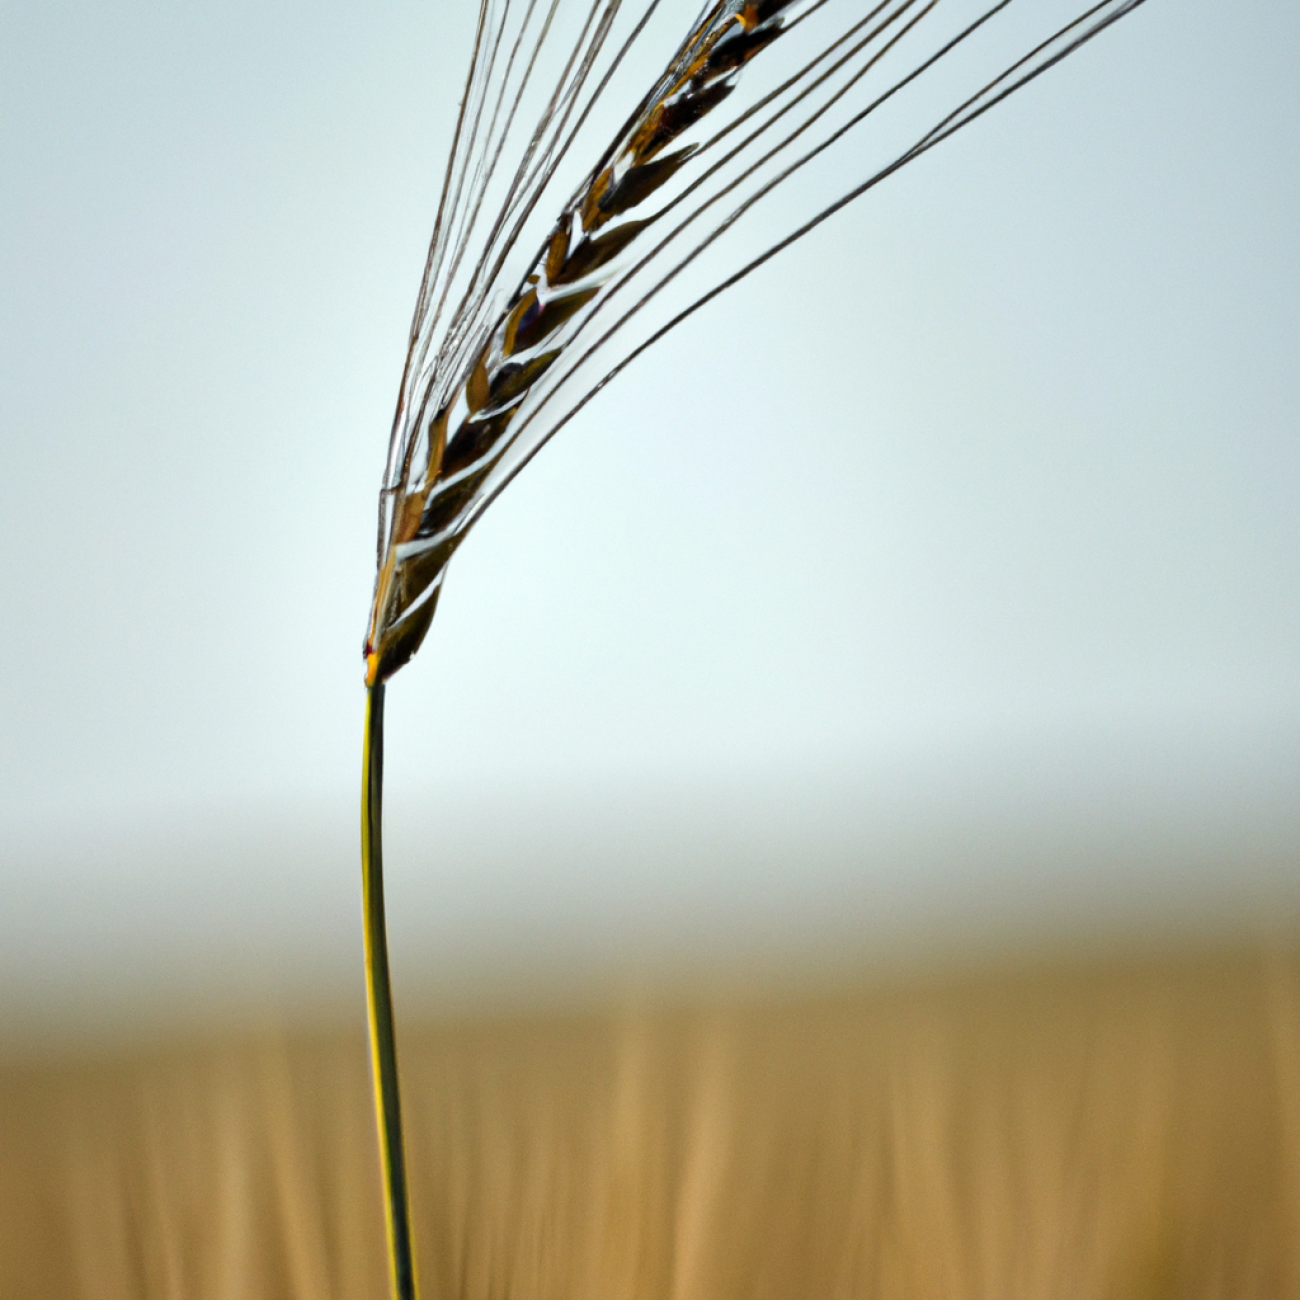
[{"x": 992, "y": 483}]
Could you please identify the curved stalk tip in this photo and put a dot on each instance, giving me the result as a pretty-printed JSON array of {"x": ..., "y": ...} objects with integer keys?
[{"x": 379, "y": 1001}]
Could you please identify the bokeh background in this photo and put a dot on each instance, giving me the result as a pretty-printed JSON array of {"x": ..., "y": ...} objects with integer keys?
[
  {"x": 937, "y": 590},
  {"x": 844, "y": 826}
]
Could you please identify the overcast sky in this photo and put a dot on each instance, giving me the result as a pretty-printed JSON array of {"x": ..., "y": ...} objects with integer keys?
[{"x": 985, "y": 496}]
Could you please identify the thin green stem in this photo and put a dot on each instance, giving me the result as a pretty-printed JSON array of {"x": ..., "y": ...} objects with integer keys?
[{"x": 379, "y": 998}]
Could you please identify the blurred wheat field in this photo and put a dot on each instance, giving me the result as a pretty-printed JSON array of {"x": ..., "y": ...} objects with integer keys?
[{"x": 1130, "y": 1129}]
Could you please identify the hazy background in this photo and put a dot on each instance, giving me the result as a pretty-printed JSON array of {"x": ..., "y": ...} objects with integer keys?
[{"x": 937, "y": 589}]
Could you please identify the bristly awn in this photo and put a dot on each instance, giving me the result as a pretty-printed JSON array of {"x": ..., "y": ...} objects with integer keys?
[{"x": 547, "y": 275}]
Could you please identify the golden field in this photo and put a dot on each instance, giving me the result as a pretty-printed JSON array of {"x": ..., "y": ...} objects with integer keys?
[{"x": 1121, "y": 1129}]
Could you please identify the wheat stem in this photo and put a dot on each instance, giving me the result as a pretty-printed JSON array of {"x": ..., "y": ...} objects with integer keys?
[{"x": 379, "y": 1000}]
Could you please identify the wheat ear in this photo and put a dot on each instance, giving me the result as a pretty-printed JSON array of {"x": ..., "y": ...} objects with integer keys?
[
  {"x": 441, "y": 480},
  {"x": 464, "y": 441}
]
